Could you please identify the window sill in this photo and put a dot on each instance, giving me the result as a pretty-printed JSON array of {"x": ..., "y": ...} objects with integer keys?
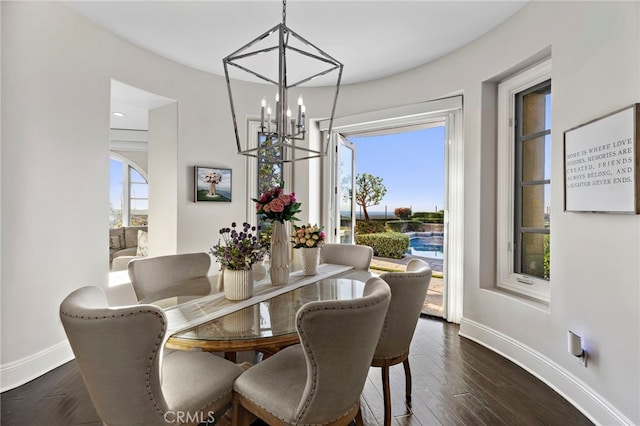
[
  {"x": 540, "y": 305},
  {"x": 527, "y": 287}
]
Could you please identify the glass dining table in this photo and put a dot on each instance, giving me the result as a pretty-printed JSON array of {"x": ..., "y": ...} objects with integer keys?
[{"x": 199, "y": 317}]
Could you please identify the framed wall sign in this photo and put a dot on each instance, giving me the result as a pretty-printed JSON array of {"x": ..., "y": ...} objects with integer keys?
[
  {"x": 601, "y": 164},
  {"x": 212, "y": 184}
]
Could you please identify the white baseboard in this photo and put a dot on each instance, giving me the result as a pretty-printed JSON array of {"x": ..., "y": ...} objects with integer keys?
[
  {"x": 584, "y": 398},
  {"x": 17, "y": 373}
]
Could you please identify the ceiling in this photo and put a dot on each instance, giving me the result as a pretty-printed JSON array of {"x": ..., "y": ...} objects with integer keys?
[{"x": 373, "y": 39}]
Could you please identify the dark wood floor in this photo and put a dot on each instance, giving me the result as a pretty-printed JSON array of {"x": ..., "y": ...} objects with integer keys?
[{"x": 455, "y": 382}]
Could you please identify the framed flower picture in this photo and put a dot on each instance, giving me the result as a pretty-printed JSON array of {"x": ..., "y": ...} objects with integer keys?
[{"x": 212, "y": 184}]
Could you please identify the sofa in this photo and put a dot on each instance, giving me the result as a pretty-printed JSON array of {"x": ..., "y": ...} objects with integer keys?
[{"x": 124, "y": 242}]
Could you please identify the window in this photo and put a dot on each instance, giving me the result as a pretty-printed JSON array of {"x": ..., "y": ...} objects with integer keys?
[
  {"x": 128, "y": 194},
  {"x": 269, "y": 173},
  {"x": 524, "y": 183},
  {"x": 262, "y": 175},
  {"x": 532, "y": 181},
  {"x": 138, "y": 198}
]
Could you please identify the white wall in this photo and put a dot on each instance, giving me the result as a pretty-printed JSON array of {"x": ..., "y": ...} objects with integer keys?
[
  {"x": 56, "y": 76},
  {"x": 54, "y": 165},
  {"x": 163, "y": 183},
  {"x": 595, "y": 48},
  {"x": 56, "y": 71}
]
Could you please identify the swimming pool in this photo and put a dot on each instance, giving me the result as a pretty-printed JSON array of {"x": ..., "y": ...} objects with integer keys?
[{"x": 426, "y": 244}]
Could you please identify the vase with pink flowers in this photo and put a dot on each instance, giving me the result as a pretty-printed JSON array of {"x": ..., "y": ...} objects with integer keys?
[{"x": 280, "y": 208}]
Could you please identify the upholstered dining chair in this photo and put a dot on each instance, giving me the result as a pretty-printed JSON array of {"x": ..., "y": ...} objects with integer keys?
[
  {"x": 347, "y": 254},
  {"x": 318, "y": 381},
  {"x": 408, "y": 292},
  {"x": 155, "y": 278},
  {"x": 130, "y": 380}
]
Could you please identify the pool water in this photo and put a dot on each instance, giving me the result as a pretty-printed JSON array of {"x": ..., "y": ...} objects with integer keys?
[{"x": 426, "y": 247}]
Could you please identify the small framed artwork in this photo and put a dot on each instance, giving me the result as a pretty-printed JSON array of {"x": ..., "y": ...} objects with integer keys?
[
  {"x": 601, "y": 164},
  {"x": 212, "y": 184}
]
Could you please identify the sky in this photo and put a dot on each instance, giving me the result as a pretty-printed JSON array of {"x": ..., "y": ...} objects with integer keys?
[
  {"x": 411, "y": 165},
  {"x": 115, "y": 183}
]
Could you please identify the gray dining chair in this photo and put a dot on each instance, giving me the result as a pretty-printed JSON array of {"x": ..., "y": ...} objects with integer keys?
[
  {"x": 130, "y": 379},
  {"x": 347, "y": 254},
  {"x": 408, "y": 292},
  {"x": 318, "y": 381},
  {"x": 155, "y": 278}
]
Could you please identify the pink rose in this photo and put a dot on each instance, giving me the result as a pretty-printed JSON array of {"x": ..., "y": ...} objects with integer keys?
[
  {"x": 286, "y": 199},
  {"x": 265, "y": 197},
  {"x": 266, "y": 208},
  {"x": 276, "y": 206}
]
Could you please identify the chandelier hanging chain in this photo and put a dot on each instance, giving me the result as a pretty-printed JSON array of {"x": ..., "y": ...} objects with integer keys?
[{"x": 284, "y": 12}]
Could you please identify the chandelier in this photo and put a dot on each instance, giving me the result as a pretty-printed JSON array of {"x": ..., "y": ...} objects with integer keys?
[{"x": 285, "y": 60}]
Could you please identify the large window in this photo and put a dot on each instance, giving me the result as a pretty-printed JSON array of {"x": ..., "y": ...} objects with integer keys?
[
  {"x": 128, "y": 194},
  {"x": 524, "y": 183}
]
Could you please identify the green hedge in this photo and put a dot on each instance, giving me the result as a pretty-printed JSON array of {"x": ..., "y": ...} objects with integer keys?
[
  {"x": 387, "y": 244},
  {"x": 429, "y": 217},
  {"x": 369, "y": 226},
  {"x": 404, "y": 225}
]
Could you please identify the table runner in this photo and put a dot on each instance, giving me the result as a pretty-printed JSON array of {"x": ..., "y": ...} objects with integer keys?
[{"x": 195, "y": 312}]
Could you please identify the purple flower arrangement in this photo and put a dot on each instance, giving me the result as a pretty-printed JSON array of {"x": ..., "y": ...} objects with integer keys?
[{"x": 239, "y": 249}]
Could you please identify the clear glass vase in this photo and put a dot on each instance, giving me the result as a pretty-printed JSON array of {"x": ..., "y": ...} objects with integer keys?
[{"x": 280, "y": 265}]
